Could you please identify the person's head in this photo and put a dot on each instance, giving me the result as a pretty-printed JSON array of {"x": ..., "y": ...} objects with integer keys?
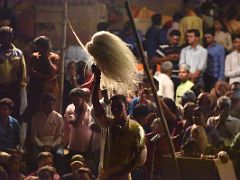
[
  {"x": 103, "y": 26},
  {"x": 191, "y": 148},
  {"x": 224, "y": 105},
  {"x": 204, "y": 100},
  {"x": 46, "y": 173},
  {"x": 156, "y": 19},
  {"x": 188, "y": 96},
  {"x": 188, "y": 111},
  {"x": 236, "y": 42},
  {"x": 235, "y": 99},
  {"x": 15, "y": 163},
  {"x": 6, "y": 106},
  {"x": 87, "y": 94},
  {"x": 209, "y": 37},
  {"x": 42, "y": 44},
  {"x": 48, "y": 102},
  {"x": 6, "y": 35},
  {"x": 177, "y": 17},
  {"x": 170, "y": 104},
  {"x": 193, "y": 36},
  {"x": 140, "y": 113},
  {"x": 44, "y": 159},
  {"x": 84, "y": 173},
  {"x": 77, "y": 96},
  {"x": 77, "y": 161},
  {"x": 166, "y": 68},
  {"x": 174, "y": 37},
  {"x": 157, "y": 127},
  {"x": 119, "y": 106},
  {"x": 184, "y": 72},
  {"x": 199, "y": 117},
  {"x": 235, "y": 86},
  {"x": 221, "y": 88},
  {"x": 218, "y": 25}
]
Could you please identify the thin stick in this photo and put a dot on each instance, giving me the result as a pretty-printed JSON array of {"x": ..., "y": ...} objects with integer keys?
[
  {"x": 150, "y": 79},
  {"x": 63, "y": 55}
]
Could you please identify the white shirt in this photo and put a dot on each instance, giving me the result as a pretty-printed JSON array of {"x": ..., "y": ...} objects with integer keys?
[
  {"x": 166, "y": 86},
  {"x": 196, "y": 58},
  {"x": 232, "y": 67}
]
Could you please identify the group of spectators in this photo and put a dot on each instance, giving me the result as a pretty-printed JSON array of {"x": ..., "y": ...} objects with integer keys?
[{"x": 195, "y": 64}]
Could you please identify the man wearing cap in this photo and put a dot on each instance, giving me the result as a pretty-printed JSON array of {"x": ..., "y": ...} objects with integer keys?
[
  {"x": 215, "y": 62},
  {"x": 186, "y": 84},
  {"x": 12, "y": 69},
  {"x": 122, "y": 139}
]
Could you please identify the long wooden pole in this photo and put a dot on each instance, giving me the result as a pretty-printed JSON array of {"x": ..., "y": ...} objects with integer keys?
[
  {"x": 64, "y": 30},
  {"x": 150, "y": 79}
]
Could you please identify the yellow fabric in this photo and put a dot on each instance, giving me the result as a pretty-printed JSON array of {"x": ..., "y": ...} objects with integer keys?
[
  {"x": 190, "y": 22},
  {"x": 13, "y": 67},
  {"x": 120, "y": 146},
  {"x": 181, "y": 89}
]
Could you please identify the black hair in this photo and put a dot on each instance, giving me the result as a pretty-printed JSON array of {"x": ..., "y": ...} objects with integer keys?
[
  {"x": 209, "y": 31},
  {"x": 6, "y": 30},
  {"x": 175, "y": 33},
  {"x": 42, "y": 41},
  {"x": 177, "y": 17},
  {"x": 194, "y": 31},
  {"x": 140, "y": 110},
  {"x": 47, "y": 98},
  {"x": 77, "y": 92},
  {"x": 121, "y": 98},
  {"x": 156, "y": 19},
  {"x": 170, "y": 104},
  {"x": 235, "y": 36},
  {"x": 102, "y": 26},
  {"x": 7, "y": 102}
]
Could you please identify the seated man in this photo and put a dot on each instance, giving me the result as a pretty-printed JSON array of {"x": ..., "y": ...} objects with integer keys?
[
  {"x": 47, "y": 126},
  {"x": 47, "y": 130},
  {"x": 9, "y": 127}
]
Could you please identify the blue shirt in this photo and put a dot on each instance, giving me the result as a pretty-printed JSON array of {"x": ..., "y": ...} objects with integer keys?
[
  {"x": 9, "y": 135},
  {"x": 215, "y": 62}
]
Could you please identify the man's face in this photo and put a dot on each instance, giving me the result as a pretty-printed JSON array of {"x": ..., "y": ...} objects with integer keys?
[
  {"x": 117, "y": 108},
  {"x": 174, "y": 40},
  {"x": 236, "y": 44},
  {"x": 46, "y": 162},
  {"x": 183, "y": 74},
  {"x": 77, "y": 101},
  {"x": 4, "y": 111},
  {"x": 191, "y": 38},
  {"x": 5, "y": 39},
  {"x": 209, "y": 39},
  {"x": 48, "y": 106}
]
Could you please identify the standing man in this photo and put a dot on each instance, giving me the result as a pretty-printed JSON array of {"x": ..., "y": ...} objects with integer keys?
[
  {"x": 122, "y": 140},
  {"x": 170, "y": 52},
  {"x": 12, "y": 69},
  {"x": 232, "y": 63},
  {"x": 166, "y": 86},
  {"x": 215, "y": 61},
  {"x": 195, "y": 56},
  {"x": 153, "y": 37}
]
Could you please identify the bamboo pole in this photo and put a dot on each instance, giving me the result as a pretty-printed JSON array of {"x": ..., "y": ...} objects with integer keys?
[
  {"x": 159, "y": 109},
  {"x": 64, "y": 30}
]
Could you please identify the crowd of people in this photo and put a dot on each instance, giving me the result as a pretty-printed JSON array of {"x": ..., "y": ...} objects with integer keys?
[{"x": 194, "y": 61}]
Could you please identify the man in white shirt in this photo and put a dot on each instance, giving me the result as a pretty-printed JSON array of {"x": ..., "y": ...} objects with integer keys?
[
  {"x": 166, "y": 87},
  {"x": 195, "y": 56},
  {"x": 232, "y": 62}
]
